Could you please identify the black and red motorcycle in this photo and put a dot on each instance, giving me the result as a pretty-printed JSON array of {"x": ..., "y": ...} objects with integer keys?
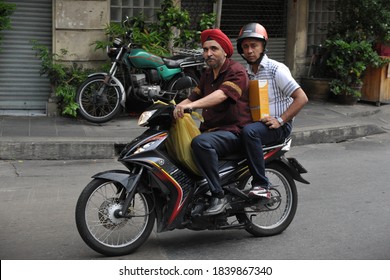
[{"x": 117, "y": 210}]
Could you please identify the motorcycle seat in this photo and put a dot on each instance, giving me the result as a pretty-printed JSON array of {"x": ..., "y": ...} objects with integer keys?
[
  {"x": 177, "y": 60},
  {"x": 234, "y": 157},
  {"x": 241, "y": 155}
]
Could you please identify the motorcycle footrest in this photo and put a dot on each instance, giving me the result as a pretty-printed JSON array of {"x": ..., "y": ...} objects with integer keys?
[
  {"x": 239, "y": 193},
  {"x": 236, "y": 226}
]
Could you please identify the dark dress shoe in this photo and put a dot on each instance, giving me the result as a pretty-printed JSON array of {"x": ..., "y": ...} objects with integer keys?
[{"x": 217, "y": 206}]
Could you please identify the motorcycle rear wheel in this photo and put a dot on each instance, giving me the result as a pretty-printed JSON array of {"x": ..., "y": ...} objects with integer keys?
[
  {"x": 274, "y": 217},
  {"x": 183, "y": 94},
  {"x": 102, "y": 230},
  {"x": 98, "y": 108}
]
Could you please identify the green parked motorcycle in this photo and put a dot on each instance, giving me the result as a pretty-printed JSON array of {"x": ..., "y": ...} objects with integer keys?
[{"x": 136, "y": 76}]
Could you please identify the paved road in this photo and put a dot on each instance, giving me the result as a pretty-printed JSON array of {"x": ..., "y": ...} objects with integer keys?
[{"x": 343, "y": 214}]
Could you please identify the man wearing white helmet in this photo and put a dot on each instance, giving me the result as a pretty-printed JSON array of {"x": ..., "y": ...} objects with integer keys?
[{"x": 286, "y": 99}]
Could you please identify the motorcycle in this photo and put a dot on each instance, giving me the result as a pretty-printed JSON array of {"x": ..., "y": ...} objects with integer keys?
[
  {"x": 117, "y": 210},
  {"x": 137, "y": 76}
]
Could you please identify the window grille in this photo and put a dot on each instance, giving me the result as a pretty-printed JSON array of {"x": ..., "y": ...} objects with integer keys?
[
  {"x": 321, "y": 12},
  {"x": 271, "y": 14},
  {"x": 122, "y": 8}
]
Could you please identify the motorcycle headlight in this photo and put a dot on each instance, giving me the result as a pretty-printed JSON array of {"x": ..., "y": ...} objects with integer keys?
[
  {"x": 117, "y": 42},
  {"x": 144, "y": 147},
  {"x": 145, "y": 116},
  {"x": 112, "y": 52}
]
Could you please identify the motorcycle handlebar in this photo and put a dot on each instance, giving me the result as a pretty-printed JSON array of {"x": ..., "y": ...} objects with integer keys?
[{"x": 188, "y": 110}]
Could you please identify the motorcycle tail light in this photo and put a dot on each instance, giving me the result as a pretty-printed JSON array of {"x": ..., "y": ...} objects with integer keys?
[{"x": 287, "y": 147}]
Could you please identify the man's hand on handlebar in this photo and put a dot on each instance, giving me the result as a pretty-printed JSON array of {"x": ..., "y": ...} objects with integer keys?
[{"x": 180, "y": 110}]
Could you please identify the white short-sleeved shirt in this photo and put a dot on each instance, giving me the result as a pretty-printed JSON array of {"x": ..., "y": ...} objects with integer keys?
[{"x": 281, "y": 84}]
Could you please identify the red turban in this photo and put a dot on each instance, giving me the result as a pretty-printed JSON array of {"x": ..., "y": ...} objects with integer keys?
[{"x": 220, "y": 37}]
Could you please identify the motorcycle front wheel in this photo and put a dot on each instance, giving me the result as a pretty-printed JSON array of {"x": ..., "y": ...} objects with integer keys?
[
  {"x": 102, "y": 229},
  {"x": 267, "y": 218},
  {"x": 98, "y": 102}
]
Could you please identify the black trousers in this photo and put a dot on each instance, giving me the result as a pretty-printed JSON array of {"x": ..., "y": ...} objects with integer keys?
[{"x": 207, "y": 148}]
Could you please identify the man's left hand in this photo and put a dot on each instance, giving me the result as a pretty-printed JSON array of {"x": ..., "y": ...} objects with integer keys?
[{"x": 271, "y": 122}]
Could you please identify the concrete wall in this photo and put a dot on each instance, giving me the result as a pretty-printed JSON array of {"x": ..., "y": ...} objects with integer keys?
[{"x": 77, "y": 24}]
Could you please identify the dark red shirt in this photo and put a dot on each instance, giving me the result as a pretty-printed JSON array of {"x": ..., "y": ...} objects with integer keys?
[{"x": 233, "y": 113}]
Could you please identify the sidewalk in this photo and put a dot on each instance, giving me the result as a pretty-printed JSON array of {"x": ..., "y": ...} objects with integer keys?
[{"x": 41, "y": 137}]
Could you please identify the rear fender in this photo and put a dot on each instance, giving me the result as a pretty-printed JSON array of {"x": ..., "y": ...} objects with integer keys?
[
  {"x": 117, "y": 83},
  {"x": 295, "y": 168}
]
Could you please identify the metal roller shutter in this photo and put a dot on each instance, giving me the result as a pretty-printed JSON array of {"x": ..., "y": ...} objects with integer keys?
[
  {"x": 21, "y": 86},
  {"x": 272, "y": 14}
]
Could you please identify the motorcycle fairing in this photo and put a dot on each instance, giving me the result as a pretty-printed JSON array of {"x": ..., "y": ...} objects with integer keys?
[
  {"x": 140, "y": 143},
  {"x": 177, "y": 193},
  {"x": 172, "y": 179}
]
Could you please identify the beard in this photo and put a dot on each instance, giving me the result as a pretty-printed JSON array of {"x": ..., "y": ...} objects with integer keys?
[{"x": 213, "y": 63}]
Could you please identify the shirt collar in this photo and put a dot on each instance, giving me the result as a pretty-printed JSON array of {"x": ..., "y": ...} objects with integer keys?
[
  {"x": 263, "y": 64},
  {"x": 225, "y": 65}
]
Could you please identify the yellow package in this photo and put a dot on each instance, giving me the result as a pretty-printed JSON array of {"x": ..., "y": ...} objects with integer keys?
[
  {"x": 179, "y": 141},
  {"x": 258, "y": 99}
]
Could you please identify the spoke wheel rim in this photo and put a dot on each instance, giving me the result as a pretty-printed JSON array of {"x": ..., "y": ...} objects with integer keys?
[{"x": 105, "y": 226}]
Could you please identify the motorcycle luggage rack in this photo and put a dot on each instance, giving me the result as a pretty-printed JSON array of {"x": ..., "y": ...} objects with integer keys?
[
  {"x": 197, "y": 54},
  {"x": 236, "y": 156},
  {"x": 188, "y": 51},
  {"x": 273, "y": 146},
  {"x": 191, "y": 64}
]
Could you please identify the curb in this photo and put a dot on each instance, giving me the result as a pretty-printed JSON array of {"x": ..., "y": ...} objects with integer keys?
[
  {"x": 71, "y": 149},
  {"x": 334, "y": 134},
  {"x": 64, "y": 149}
]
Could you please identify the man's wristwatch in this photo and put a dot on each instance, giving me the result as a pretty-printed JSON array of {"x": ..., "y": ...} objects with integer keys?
[{"x": 280, "y": 120}]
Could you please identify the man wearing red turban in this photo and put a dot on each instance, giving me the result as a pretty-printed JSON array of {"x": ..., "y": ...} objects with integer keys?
[
  {"x": 222, "y": 94},
  {"x": 220, "y": 37}
]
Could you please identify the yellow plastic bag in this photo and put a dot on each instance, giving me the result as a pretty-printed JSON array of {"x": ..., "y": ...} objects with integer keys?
[{"x": 179, "y": 141}]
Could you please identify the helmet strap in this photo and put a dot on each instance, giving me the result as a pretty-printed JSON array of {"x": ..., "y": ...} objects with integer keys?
[
  {"x": 256, "y": 61},
  {"x": 261, "y": 55}
]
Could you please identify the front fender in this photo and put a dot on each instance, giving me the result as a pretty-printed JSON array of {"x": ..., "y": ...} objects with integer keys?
[
  {"x": 117, "y": 83},
  {"x": 125, "y": 178}
]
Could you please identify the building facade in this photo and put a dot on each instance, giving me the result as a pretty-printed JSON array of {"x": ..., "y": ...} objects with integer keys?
[{"x": 74, "y": 25}]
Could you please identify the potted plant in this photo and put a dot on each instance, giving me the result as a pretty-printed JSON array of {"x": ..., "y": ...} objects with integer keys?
[
  {"x": 316, "y": 82},
  {"x": 351, "y": 41},
  {"x": 348, "y": 61}
]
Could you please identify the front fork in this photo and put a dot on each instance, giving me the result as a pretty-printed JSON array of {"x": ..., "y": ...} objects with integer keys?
[
  {"x": 107, "y": 82},
  {"x": 128, "y": 181},
  {"x": 109, "y": 75}
]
